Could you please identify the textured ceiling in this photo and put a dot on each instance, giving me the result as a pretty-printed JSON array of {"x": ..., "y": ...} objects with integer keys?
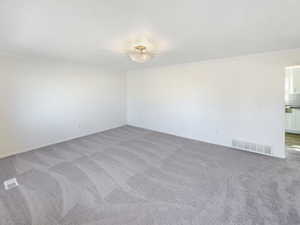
[{"x": 91, "y": 31}]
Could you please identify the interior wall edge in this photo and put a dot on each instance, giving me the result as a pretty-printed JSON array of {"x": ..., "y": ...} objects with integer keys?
[
  {"x": 205, "y": 141},
  {"x": 15, "y": 152}
]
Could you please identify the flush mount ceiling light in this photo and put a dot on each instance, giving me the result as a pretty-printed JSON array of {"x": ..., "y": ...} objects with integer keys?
[
  {"x": 140, "y": 54},
  {"x": 140, "y": 47}
]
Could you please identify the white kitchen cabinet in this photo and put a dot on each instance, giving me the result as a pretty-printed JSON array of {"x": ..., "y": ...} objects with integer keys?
[
  {"x": 297, "y": 119},
  {"x": 292, "y": 83},
  {"x": 296, "y": 80},
  {"x": 292, "y": 121}
]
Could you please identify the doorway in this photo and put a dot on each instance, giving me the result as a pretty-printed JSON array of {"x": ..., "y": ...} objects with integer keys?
[{"x": 292, "y": 108}]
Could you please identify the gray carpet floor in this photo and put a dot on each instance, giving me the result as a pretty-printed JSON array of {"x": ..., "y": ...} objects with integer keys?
[{"x": 132, "y": 176}]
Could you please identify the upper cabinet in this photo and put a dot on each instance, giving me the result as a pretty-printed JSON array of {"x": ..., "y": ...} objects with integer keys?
[{"x": 292, "y": 83}]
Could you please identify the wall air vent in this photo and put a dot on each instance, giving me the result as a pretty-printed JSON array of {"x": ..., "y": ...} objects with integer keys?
[{"x": 252, "y": 147}]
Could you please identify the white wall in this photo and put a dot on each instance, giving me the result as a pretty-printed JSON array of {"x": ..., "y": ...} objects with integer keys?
[
  {"x": 216, "y": 100},
  {"x": 45, "y": 101}
]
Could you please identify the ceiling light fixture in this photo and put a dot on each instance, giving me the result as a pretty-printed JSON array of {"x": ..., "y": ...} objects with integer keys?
[
  {"x": 140, "y": 47},
  {"x": 140, "y": 54}
]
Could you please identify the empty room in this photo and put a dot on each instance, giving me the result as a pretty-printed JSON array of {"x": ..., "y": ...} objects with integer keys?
[{"x": 165, "y": 112}]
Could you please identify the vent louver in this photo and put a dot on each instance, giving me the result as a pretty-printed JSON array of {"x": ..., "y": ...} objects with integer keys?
[
  {"x": 252, "y": 147},
  {"x": 11, "y": 183}
]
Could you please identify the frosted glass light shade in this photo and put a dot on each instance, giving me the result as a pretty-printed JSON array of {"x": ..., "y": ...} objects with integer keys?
[{"x": 140, "y": 57}]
